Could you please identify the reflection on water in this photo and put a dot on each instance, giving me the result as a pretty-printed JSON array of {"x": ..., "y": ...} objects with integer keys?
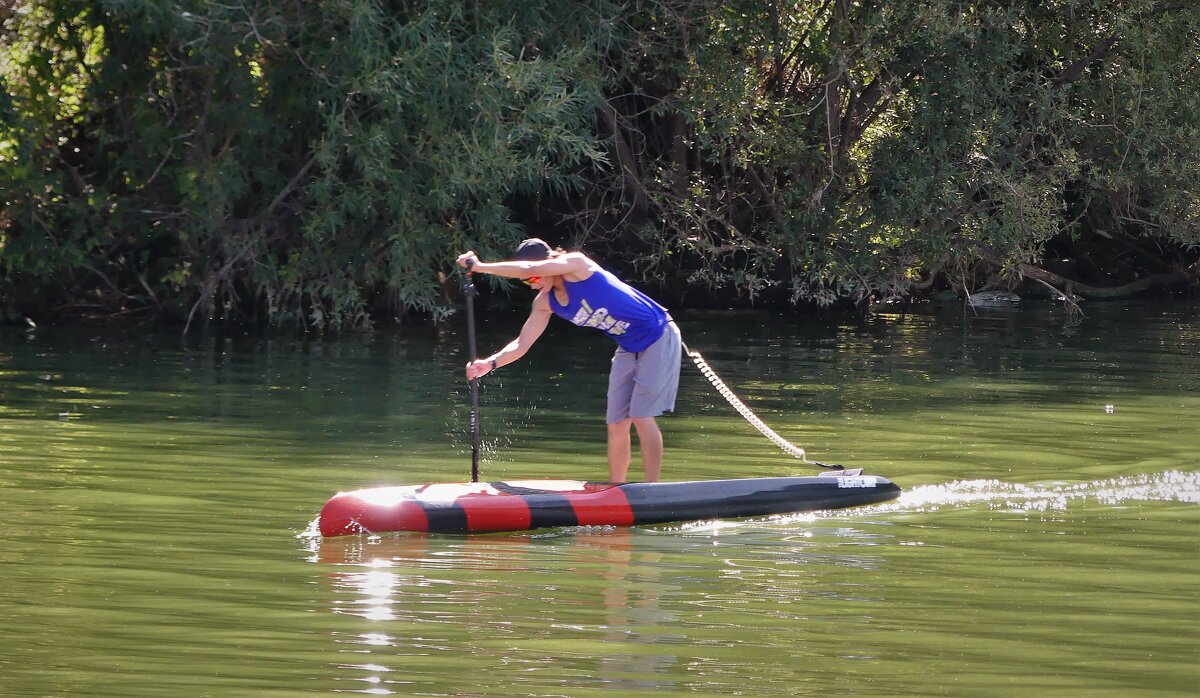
[
  {"x": 156, "y": 488},
  {"x": 408, "y": 587},
  {"x": 667, "y": 607},
  {"x": 620, "y": 609}
]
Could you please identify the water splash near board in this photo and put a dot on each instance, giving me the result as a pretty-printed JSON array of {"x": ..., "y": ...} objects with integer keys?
[{"x": 1169, "y": 486}]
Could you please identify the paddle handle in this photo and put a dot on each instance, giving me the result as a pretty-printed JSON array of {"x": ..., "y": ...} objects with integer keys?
[{"x": 469, "y": 291}]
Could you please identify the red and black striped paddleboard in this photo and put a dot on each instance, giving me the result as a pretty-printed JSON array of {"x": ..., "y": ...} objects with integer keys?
[{"x": 483, "y": 507}]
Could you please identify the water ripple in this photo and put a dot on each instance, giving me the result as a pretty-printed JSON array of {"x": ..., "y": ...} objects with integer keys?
[{"x": 1169, "y": 486}]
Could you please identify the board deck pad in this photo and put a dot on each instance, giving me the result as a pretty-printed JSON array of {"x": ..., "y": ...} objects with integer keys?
[{"x": 480, "y": 507}]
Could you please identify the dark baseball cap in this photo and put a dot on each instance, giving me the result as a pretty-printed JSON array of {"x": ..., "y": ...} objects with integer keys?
[{"x": 532, "y": 250}]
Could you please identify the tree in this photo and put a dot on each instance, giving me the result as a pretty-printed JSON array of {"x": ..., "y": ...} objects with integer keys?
[
  {"x": 857, "y": 149},
  {"x": 300, "y": 162},
  {"x": 320, "y": 164}
]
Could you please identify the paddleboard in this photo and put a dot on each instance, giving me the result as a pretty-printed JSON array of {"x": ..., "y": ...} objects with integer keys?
[{"x": 483, "y": 507}]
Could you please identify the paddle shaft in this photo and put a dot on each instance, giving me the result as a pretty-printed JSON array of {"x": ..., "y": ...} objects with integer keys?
[{"x": 469, "y": 291}]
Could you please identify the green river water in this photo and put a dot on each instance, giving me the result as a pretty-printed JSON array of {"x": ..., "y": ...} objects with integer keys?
[{"x": 159, "y": 495}]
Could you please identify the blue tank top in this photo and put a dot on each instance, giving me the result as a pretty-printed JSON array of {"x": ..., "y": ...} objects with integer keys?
[{"x": 615, "y": 308}]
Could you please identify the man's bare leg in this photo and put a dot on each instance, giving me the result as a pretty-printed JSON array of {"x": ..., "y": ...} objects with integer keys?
[
  {"x": 619, "y": 450},
  {"x": 651, "y": 442}
]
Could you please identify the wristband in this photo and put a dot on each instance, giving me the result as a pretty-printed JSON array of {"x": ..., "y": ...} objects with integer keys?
[{"x": 493, "y": 364}]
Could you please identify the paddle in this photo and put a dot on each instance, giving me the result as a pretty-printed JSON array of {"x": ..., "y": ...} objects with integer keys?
[{"x": 469, "y": 291}]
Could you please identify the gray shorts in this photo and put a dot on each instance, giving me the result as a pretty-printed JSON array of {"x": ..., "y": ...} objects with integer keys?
[{"x": 645, "y": 384}]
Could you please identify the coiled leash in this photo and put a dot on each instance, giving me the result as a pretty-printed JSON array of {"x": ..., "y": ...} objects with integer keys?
[{"x": 787, "y": 446}]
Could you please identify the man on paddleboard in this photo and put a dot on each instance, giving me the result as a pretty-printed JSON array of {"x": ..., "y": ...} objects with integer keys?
[{"x": 645, "y": 369}]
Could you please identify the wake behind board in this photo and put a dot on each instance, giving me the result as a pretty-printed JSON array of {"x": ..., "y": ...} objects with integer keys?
[{"x": 483, "y": 507}]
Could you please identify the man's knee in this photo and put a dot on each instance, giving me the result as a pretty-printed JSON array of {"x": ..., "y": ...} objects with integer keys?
[{"x": 643, "y": 422}]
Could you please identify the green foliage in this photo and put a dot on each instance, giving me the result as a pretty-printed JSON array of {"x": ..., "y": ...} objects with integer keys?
[
  {"x": 289, "y": 164},
  {"x": 850, "y": 149},
  {"x": 320, "y": 164}
]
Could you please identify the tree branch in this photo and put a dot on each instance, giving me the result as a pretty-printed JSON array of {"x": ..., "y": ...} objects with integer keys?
[{"x": 625, "y": 157}]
